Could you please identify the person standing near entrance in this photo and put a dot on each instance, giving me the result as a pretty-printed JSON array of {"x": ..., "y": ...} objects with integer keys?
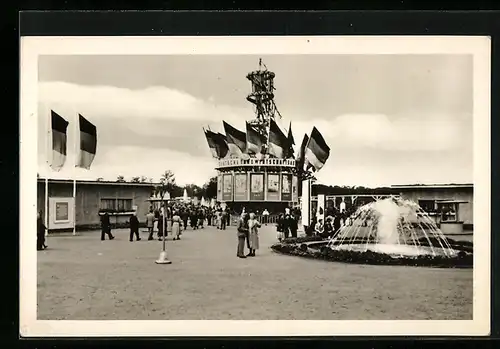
[
  {"x": 106, "y": 227},
  {"x": 253, "y": 236},
  {"x": 134, "y": 227},
  {"x": 150, "y": 219},
  {"x": 265, "y": 216},
  {"x": 40, "y": 233}
]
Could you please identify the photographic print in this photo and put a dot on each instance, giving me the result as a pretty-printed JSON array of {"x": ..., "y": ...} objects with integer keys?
[{"x": 296, "y": 186}]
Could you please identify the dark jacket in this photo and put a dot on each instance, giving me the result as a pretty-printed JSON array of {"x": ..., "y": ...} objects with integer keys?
[
  {"x": 105, "y": 221},
  {"x": 134, "y": 223},
  {"x": 40, "y": 230}
]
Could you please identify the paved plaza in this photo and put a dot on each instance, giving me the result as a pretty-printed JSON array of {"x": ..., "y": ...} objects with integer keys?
[{"x": 83, "y": 278}]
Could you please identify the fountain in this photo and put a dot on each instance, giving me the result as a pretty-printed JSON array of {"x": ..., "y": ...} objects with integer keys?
[
  {"x": 395, "y": 227},
  {"x": 391, "y": 231}
]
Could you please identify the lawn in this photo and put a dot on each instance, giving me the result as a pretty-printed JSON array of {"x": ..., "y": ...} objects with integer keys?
[{"x": 83, "y": 278}]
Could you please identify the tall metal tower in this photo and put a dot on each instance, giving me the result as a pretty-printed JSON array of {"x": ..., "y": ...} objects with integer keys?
[{"x": 262, "y": 97}]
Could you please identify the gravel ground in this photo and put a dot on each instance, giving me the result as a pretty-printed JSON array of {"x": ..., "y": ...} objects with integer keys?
[{"x": 83, "y": 278}]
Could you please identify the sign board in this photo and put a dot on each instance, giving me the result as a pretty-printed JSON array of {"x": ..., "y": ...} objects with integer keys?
[
  {"x": 286, "y": 187},
  {"x": 257, "y": 186},
  {"x": 273, "y": 187},
  {"x": 227, "y": 187},
  {"x": 240, "y": 187},
  {"x": 61, "y": 213}
]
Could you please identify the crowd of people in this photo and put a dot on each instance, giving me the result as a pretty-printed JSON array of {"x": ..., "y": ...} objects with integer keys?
[{"x": 181, "y": 216}]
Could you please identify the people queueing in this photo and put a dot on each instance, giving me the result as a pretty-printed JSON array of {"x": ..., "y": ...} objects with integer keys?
[
  {"x": 106, "y": 227},
  {"x": 242, "y": 232},
  {"x": 40, "y": 233},
  {"x": 150, "y": 219},
  {"x": 253, "y": 235},
  {"x": 134, "y": 227},
  {"x": 176, "y": 226}
]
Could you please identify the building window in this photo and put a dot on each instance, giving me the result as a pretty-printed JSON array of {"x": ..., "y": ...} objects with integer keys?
[
  {"x": 428, "y": 206},
  {"x": 116, "y": 205},
  {"x": 124, "y": 205},
  {"x": 448, "y": 211},
  {"x": 108, "y": 204}
]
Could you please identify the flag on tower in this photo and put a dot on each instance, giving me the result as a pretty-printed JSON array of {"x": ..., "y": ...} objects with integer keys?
[
  {"x": 59, "y": 128},
  {"x": 221, "y": 144},
  {"x": 254, "y": 140},
  {"x": 291, "y": 143},
  {"x": 301, "y": 155},
  {"x": 317, "y": 151},
  {"x": 236, "y": 140},
  {"x": 209, "y": 135},
  {"x": 88, "y": 143},
  {"x": 278, "y": 142}
]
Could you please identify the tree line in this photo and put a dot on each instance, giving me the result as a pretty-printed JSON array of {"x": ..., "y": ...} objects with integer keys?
[{"x": 167, "y": 183}]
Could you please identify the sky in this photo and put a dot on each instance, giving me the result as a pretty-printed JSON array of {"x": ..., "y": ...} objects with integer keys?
[{"x": 388, "y": 119}]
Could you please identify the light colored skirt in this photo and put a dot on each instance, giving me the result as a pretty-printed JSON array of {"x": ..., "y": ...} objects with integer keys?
[{"x": 253, "y": 239}]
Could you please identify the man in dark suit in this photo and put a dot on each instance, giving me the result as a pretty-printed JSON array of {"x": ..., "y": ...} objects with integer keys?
[
  {"x": 106, "y": 226},
  {"x": 134, "y": 228}
]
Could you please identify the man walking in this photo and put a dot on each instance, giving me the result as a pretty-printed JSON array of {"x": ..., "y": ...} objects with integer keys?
[
  {"x": 134, "y": 228},
  {"x": 150, "y": 219},
  {"x": 106, "y": 227}
]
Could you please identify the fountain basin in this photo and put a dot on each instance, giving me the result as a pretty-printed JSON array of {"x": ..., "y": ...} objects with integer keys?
[{"x": 397, "y": 250}]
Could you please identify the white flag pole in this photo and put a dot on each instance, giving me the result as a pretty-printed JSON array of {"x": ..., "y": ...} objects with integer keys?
[
  {"x": 48, "y": 153},
  {"x": 75, "y": 137}
]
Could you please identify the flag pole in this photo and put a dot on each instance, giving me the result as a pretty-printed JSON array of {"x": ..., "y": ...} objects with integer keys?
[
  {"x": 47, "y": 155},
  {"x": 74, "y": 172}
]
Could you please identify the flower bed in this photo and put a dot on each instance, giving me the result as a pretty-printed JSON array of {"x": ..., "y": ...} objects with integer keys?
[{"x": 322, "y": 252}]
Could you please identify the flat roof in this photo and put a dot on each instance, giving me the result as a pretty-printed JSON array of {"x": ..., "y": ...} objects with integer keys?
[
  {"x": 432, "y": 186},
  {"x": 90, "y": 182}
]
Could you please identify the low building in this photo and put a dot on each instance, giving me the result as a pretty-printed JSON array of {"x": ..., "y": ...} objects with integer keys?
[
  {"x": 93, "y": 198},
  {"x": 451, "y": 205}
]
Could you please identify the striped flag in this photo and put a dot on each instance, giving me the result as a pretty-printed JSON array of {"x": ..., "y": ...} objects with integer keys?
[
  {"x": 59, "y": 128},
  {"x": 211, "y": 143},
  {"x": 317, "y": 151},
  {"x": 236, "y": 141},
  {"x": 291, "y": 143},
  {"x": 217, "y": 143},
  {"x": 302, "y": 151},
  {"x": 222, "y": 146},
  {"x": 254, "y": 140},
  {"x": 88, "y": 143},
  {"x": 278, "y": 142}
]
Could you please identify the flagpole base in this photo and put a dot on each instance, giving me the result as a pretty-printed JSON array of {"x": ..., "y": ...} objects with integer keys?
[{"x": 163, "y": 258}]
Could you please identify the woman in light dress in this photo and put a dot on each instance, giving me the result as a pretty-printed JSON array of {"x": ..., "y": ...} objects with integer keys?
[
  {"x": 253, "y": 234},
  {"x": 176, "y": 226}
]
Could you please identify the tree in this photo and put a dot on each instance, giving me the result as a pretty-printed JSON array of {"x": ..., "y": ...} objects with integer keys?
[
  {"x": 100, "y": 179},
  {"x": 120, "y": 179},
  {"x": 135, "y": 179},
  {"x": 167, "y": 181},
  {"x": 144, "y": 179},
  {"x": 210, "y": 188}
]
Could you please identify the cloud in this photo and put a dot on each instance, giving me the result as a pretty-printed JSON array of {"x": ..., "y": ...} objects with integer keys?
[{"x": 146, "y": 131}]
